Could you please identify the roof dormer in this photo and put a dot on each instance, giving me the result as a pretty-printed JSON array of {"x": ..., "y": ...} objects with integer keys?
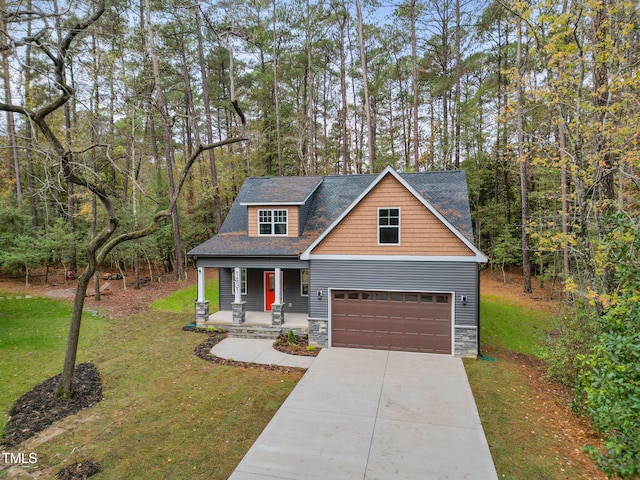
[{"x": 277, "y": 207}]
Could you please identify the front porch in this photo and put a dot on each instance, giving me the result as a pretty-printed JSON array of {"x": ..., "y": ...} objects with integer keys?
[{"x": 224, "y": 319}]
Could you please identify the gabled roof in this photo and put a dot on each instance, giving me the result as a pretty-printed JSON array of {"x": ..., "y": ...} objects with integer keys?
[
  {"x": 280, "y": 190},
  {"x": 420, "y": 197},
  {"x": 329, "y": 198}
]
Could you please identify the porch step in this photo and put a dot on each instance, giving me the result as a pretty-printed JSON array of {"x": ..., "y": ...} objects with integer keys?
[{"x": 253, "y": 331}]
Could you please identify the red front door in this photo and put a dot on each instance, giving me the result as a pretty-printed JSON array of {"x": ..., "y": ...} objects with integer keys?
[{"x": 269, "y": 289}]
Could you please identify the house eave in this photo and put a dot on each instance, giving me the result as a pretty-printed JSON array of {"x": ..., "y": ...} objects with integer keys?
[
  {"x": 271, "y": 204},
  {"x": 478, "y": 258}
]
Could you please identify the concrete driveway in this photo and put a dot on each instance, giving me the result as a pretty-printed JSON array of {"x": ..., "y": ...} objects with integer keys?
[{"x": 369, "y": 414}]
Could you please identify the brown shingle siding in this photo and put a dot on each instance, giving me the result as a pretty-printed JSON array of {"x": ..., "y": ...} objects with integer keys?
[{"x": 421, "y": 232}]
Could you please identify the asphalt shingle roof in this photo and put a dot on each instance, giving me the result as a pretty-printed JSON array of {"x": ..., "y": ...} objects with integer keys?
[{"x": 332, "y": 195}]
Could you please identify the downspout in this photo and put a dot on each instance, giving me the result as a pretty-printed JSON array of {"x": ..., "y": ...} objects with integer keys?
[{"x": 480, "y": 355}]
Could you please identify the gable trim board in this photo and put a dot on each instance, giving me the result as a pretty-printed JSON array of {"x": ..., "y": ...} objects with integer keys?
[
  {"x": 408, "y": 258},
  {"x": 477, "y": 256}
]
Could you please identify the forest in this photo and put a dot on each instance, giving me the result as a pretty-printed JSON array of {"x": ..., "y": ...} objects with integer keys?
[{"x": 129, "y": 127}]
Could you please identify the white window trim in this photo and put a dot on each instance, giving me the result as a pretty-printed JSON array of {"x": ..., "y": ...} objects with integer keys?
[
  {"x": 243, "y": 284},
  {"x": 273, "y": 223},
  {"x": 302, "y": 294},
  {"x": 399, "y": 224}
]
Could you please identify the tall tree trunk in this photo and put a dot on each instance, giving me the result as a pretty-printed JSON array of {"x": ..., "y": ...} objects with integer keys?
[
  {"x": 208, "y": 119},
  {"x": 522, "y": 160},
  {"x": 605, "y": 159},
  {"x": 367, "y": 100},
  {"x": 344, "y": 111},
  {"x": 416, "y": 91},
  {"x": 28, "y": 128},
  {"x": 12, "y": 145},
  {"x": 276, "y": 92},
  {"x": 457, "y": 99},
  {"x": 94, "y": 138},
  {"x": 167, "y": 141}
]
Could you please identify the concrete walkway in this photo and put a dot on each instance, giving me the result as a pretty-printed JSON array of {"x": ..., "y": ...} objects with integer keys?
[
  {"x": 254, "y": 350},
  {"x": 369, "y": 414}
]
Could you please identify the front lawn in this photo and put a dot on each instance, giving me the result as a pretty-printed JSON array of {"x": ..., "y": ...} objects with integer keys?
[
  {"x": 32, "y": 343},
  {"x": 182, "y": 301},
  {"x": 165, "y": 413}
]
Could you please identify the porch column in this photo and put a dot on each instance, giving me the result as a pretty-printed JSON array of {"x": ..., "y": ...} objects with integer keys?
[
  {"x": 237, "y": 307},
  {"x": 277, "y": 309},
  {"x": 202, "y": 305},
  {"x": 200, "y": 284},
  {"x": 278, "y": 286}
]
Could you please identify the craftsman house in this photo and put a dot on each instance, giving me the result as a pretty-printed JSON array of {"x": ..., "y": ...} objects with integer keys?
[{"x": 372, "y": 261}]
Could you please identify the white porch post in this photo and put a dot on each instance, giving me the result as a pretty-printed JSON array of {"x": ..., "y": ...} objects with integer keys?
[
  {"x": 202, "y": 305},
  {"x": 200, "y": 285},
  {"x": 278, "y": 279},
  {"x": 237, "y": 284},
  {"x": 277, "y": 309}
]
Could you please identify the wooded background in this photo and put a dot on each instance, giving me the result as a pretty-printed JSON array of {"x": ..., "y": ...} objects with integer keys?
[
  {"x": 113, "y": 108},
  {"x": 537, "y": 101}
]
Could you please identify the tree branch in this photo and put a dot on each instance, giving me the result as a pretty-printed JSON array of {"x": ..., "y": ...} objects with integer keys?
[{"x": 153, "y": 225}]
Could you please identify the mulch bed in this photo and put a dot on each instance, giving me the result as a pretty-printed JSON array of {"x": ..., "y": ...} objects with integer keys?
[
  {"x": 79, "y": 471},
  {"x": 39, "y": 408},
  {"x": 299, "y": 347}
]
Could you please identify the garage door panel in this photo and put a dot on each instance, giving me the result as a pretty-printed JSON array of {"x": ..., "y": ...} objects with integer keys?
[{"x": 392, "y": 321}]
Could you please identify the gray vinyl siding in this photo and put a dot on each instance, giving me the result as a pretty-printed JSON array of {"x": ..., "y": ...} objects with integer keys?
[
  {"x": 255, "y": 290},
  {"x": 460, "y": 278}
]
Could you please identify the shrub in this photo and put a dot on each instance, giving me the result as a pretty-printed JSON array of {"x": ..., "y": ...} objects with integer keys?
[
  {"x": 573, "y": 336},
  {"x": 608, "y": 388}
]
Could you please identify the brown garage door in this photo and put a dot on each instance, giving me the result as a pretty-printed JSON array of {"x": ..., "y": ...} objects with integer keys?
[{"x": 414, "y": 322}]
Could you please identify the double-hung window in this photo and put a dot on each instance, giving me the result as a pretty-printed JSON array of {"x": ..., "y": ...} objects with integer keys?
[
  {"x": 389, "y": 226},
  {"x": 272, "y": 222}
]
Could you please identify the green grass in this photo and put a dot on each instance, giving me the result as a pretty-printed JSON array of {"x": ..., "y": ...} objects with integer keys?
[
  {"x": 166, "y": 413},
  {"x": 182, "y": 301},
  {"x": 523, "y": 442},
  {"x": 33, "y": 334},
  {"x": 513, "y": 326}
]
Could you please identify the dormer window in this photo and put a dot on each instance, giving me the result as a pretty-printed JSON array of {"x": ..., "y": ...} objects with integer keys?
[
  {"x": 389, "y": 226},
  {"x": 272, "y": 222}
]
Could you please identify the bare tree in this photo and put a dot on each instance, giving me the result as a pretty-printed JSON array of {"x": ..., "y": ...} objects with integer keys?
[{"x": 84, "y": 176}]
